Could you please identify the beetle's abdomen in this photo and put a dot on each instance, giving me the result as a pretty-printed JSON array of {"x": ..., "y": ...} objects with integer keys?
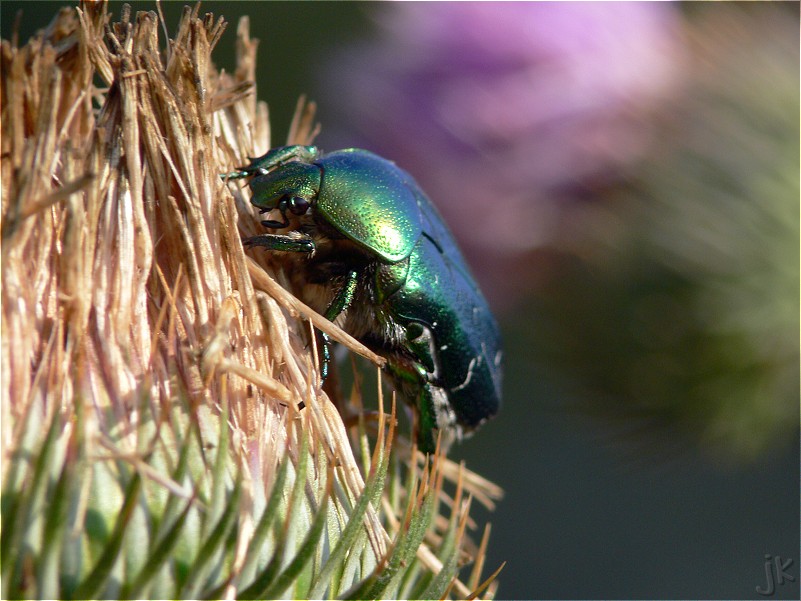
[{"x": 442, "y": 295}]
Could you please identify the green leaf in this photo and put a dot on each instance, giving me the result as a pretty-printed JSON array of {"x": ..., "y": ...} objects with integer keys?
[
  {"x": 171, "y": 506},
  {"x": 266, "y": 577},
  {"x": 217, "y": 504},
  {"x": 415, "y": 580},
  {"x": 91, "y": 585},
  {"x": 408, "y": 541},
  {"x": 386, "y": 576},
  {"x": 53, "y": 533},
  {"x": 158, "y": 556},
  {"x": 361, "y": 590},
  {"x": 304, "y": 554},
  {"x": 267, "y": 517},
  {"x": 212, "y": 544},
  {"x": 441, "y": 581},
  {"x": 22, "y": 504},
  {"x": 371, "y": 493}
]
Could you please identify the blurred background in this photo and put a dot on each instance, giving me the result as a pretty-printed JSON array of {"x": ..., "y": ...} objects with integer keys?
[{"x": 624, "y": 180}]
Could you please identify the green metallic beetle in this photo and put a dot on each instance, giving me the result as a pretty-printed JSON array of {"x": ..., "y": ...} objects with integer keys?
[{"x": 371, "y": 252}]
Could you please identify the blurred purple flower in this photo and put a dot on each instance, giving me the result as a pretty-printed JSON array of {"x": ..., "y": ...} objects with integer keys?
[{"x": 501, "y": 111}]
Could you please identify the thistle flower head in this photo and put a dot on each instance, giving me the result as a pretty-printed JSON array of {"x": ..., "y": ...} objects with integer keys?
[{"x": 164, "y": 431}]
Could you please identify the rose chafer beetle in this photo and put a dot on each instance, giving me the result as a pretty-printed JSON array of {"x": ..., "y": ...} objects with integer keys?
[{"x": 371, "y": 252}]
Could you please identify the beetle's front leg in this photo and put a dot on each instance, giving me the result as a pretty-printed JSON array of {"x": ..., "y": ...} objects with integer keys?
[
  {"x": 273, "y": 159},
  {"x": 283, "y": 243},
  {"x": 280, "y": 156}
]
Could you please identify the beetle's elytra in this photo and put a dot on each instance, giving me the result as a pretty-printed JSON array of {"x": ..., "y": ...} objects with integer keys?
[{"x": 372, "y": 252}]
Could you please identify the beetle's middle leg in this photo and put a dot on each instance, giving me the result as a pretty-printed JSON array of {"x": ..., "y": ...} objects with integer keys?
[{"x": 340, "y": 303}]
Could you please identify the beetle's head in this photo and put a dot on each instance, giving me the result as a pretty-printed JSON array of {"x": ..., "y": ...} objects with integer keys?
[{"x": 292, "y": 188}]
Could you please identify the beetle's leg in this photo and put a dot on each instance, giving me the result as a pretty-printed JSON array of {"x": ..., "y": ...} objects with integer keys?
[
  {"x": 282, "y": 242},
  {"x": 241, "y": 174},
  {"x": 282, "y": 155},
  {"x": 427, "y": 421},
  {"x": 274, "y": 158},
  {"x": 341, "y": 302},
  {"x": 276, "y": 225},
  {"x": 424, "y": 400}
]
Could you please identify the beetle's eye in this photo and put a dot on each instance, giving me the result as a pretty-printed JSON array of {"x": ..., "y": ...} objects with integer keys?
[{"x": 298, "y": 205}]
